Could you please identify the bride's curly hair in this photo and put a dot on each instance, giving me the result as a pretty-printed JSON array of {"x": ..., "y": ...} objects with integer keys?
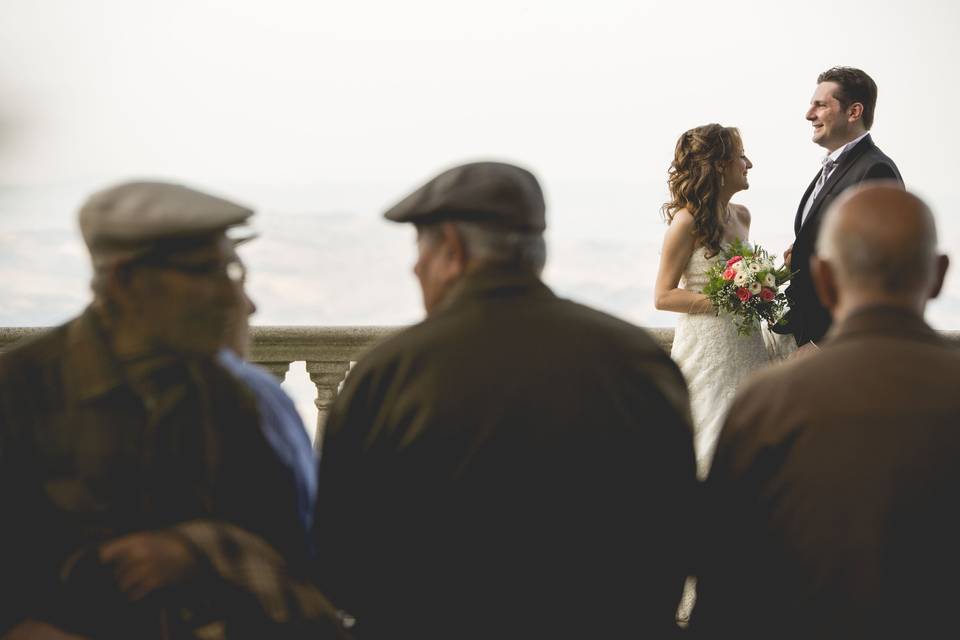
[{"x": 695, "y": 180}]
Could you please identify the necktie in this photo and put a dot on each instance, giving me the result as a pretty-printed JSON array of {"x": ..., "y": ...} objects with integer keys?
[{"x": 828, "y": 165}]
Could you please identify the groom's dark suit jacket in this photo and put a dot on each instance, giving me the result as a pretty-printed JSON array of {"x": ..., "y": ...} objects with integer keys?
[
  {"x": 832, "y": 496},
  {"x": 808, "y": 319}
]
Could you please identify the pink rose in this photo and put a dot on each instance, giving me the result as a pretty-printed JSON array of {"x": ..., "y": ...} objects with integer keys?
[
  {"x": 734, "y": 260},
  {"x": 729, "y": 274},
  {"x": 743, "y": 294},
  {"x": 767, "y": 295}
]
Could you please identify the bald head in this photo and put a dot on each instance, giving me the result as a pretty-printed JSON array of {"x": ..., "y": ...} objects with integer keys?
[
  {"x": 880, "y": 238},
  {"x": 877, "y": 246}
]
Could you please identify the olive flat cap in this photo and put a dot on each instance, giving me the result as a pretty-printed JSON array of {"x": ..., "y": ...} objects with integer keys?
[
  {"x": 130, "y": 219},
  {"x": 494, "y": 193}
]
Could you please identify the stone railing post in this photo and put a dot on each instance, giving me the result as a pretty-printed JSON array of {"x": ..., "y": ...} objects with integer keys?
[
  {"x": 327, "y": 352},
  {"x": 327, "y": 376}
]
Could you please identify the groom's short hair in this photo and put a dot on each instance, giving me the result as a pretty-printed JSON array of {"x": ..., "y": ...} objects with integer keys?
[{"x": 854, "y": 86}]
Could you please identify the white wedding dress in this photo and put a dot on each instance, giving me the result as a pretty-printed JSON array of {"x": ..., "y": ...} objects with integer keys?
[{"x": 714, "y": 360}]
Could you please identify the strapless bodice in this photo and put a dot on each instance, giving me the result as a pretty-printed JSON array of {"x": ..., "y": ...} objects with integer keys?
[{"x": 694, "y": 276}]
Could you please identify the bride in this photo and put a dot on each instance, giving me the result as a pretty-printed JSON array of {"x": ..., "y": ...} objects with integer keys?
[{"x": 708, "y": 168}]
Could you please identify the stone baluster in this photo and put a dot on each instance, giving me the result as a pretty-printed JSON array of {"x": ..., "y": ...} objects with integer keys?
[{"x": 327, "y": 375}]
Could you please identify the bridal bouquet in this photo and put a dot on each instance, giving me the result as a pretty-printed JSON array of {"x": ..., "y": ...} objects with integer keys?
[{"x": 746, "y": 284}]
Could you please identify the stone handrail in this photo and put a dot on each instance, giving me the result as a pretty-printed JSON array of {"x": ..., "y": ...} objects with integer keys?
[{"x": 328, "y": 352}]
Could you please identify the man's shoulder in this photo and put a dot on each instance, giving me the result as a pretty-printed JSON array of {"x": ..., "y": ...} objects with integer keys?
[
  {"x": 837, "y": 357},
  {"x": 845, "y": 376},
  {"x": 875, "y": 154},
  {"x": 34, "y": 351},
  {"x": 873, "y": 160},
  {"x": 771, "y": 407},
  {"x": 774, "y": 390},
  {"x": 32, "y": 376},
  {"x": 471, "y": 329},
  {"x": 605, "y": 327},
  {"x": 414, "y": 337},
  {"x": 927, "y": 354},
  {"x": 252, "y": 374}
]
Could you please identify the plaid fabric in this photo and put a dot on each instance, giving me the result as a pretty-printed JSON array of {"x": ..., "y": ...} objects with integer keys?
[
  {"x": 246, "y": 564},
  {"x": 91, "y": 450}
]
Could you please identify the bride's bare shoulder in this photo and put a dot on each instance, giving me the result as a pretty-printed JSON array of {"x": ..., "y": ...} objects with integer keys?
[
  {"x": 682, "y": 219},
  {"x": 741, "y": 212}
]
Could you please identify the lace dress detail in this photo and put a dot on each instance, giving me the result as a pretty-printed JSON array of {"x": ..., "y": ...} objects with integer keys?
[{"x": 714, "y": 360}]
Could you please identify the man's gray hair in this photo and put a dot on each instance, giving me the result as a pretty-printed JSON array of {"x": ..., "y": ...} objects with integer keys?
[{"x": 486, "y": 245}]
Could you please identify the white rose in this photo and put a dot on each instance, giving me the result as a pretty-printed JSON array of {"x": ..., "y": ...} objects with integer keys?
[
  {"x": 754, "y": 266},
  {"x": 769, "y": 280},
  {"x": 737, "y": 266},
  {"x": 754, "y": 287},
  {"x": 741, "y": 278}
]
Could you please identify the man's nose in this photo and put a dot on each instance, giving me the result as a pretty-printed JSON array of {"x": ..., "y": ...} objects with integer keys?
[
  {"x": 249, "y": 304},
  {"x": 810, "y": 114}
]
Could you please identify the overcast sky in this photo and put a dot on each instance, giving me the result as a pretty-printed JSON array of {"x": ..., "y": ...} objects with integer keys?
[{"x": 320, "y": 114}]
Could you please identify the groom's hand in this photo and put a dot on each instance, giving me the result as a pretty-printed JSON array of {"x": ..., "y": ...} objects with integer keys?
[{"x": 787, "y": 256}]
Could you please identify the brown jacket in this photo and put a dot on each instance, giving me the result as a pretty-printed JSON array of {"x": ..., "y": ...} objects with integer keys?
[
  {"x": 515, "y": 466},
  {"x": 833, "y": 492},
  {"x": 85, "y": 458}
]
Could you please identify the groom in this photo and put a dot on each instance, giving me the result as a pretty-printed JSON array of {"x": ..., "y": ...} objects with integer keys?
[{"x": 841, "y": 112}]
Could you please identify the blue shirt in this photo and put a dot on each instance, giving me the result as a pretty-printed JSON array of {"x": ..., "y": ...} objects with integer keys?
[{"x": 283, "y": 430}]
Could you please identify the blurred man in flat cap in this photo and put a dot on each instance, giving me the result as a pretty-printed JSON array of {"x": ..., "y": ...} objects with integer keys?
[
  {"x": 837, "y": 518},
  {"x": 139, "y": 494},
  {"x": 514, "y": 466}
]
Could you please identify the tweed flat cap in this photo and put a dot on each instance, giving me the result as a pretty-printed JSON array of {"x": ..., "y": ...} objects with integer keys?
[
  {"x": 130, "y": 219},
  {"x": 494, "y": 193}
]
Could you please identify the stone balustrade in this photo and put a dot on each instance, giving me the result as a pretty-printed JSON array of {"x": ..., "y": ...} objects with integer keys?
[{"x": 328, "y": 352}]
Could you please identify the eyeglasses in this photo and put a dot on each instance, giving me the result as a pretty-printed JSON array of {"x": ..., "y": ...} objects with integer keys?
[{"x": 233, "y": 270}]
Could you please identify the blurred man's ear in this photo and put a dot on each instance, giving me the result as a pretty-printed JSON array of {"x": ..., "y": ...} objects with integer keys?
[
  {"x": 454, "y": 250},
  {"x": 943, "y": 263},
  {"x": 825, "y": 283}
]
